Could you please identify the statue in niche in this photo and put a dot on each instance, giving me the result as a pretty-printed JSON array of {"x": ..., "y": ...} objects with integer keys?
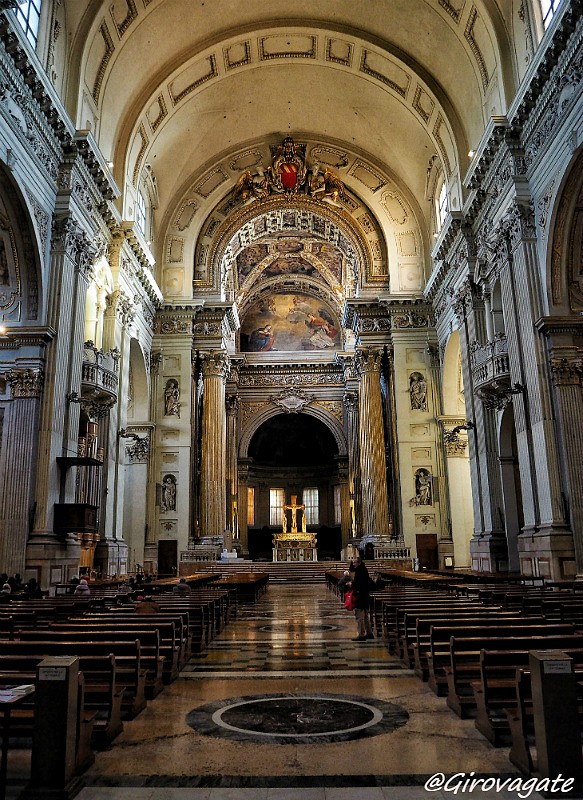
[
  {"x": 423, "y": 488},
  {"x": 168, "y": 501},
  {"x": 172, "y": 398},
  {"x": 418, "y": 391}
]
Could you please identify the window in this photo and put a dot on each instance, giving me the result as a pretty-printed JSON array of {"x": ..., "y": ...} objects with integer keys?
[
  {"x": 548, "y": 8},
  {"x": 312, "y": 512},
  {"x": 141, "y": 212},
  {"x": 250, "y": 506},
  {"x": 276, "y": 502},
  {"x": 28, "y": 15},
  {"x": 337, "y": 505},
  {"x": 442, "y": 208}
]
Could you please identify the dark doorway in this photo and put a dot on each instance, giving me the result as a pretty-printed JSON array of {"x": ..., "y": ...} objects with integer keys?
[
  {"x": 427, "y": 550},
  {"x": 167, "y": 558}
]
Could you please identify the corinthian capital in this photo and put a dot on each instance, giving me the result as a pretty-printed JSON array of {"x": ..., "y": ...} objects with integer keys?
[
  {"x": 566, "y": 371},
  {"x": 25, "y": 383},
  {"x": 368, "y": 359},
  {"x": 215, "y": 364}
]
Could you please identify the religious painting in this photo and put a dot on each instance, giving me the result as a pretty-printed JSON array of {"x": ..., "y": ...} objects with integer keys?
[
  {"x": 249, "y": 258},
  {"x": 330, "y": 257},
  {"x": 288, "y": 266},
  {"x": 284, "y": 322}
]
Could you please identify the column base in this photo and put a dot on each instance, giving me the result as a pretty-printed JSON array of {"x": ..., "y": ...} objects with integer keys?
[
  {"x": 489, "y": 553},
  {"x": 547, "y": 552},
  {"x": 52, "y": 559},
  {"x": 111, "y": 558}
]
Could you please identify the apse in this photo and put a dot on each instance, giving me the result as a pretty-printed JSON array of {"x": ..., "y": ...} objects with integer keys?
[{"x": 293, "y": 440}]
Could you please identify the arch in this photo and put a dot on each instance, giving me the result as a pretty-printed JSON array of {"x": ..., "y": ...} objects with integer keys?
[
  {"x": 20, "y": 247},
  {"x": 242, "y": 228},
  {"x": 564, "y": 246},
  {"x": 313, "y": 410},
  {"x": 139, "y": 401}
]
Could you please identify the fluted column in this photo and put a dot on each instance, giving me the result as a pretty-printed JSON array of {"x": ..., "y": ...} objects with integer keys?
[
  {"x": 233, "y": 404},
  {"x": 567, "y": 373},
  {"x": 373, "y": 475},
  {"x": 215, "y": 368},
  {"x": 354, "y": 499},
  {"x": 16, "y": 481}
]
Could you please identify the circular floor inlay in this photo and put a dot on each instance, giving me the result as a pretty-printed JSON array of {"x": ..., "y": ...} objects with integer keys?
[{"x": 297, "y": 718}]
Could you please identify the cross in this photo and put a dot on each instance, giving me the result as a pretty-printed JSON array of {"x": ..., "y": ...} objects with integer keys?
[{"x": 293, "y": 507}]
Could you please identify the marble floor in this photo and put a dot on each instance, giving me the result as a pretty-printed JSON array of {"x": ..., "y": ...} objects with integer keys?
[{"x": 283, "y": 705}]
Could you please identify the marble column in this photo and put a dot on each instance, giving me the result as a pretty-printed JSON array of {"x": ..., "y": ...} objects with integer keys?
[
  {"x": 392, "y": 454},
  {"x": 567, "y": 374},
  {"x": 232, "y": 405},
  {"x": 373, "y": 475},
  {"x": 215, "y": 368},
  {"x": 16, "y": 481},
  {"x": 354, "y": 500}
]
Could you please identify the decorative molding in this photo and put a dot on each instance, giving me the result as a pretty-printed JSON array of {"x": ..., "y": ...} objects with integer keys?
[
  {"x": 25, "y": 383},
  {"x": 292, "y": 400},
  {"x": 109, "y": 48}
]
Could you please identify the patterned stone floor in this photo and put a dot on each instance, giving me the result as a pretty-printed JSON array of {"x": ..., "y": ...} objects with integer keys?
[{"x": 285, "y": 706}]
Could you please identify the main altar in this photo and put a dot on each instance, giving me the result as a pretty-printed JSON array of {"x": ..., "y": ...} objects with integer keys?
[{"x": 294, "y": 545}]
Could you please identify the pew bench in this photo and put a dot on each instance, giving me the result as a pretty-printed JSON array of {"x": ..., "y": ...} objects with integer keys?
[{"x": 464, "y": 666}]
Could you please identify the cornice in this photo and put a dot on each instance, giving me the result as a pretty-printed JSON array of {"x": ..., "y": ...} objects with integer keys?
[{"x": 560, "y": 325}]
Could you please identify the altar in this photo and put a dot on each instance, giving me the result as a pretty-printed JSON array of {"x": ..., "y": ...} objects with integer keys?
[{"x": 294, "y": 545}]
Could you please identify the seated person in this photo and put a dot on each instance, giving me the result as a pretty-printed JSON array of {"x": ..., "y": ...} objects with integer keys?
[{"x": 181, "y": 587}]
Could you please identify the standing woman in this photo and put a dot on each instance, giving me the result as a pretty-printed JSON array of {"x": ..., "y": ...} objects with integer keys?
[{"x": 361, "y": 592}]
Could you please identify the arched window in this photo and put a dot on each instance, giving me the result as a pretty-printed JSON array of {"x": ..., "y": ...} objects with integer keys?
[
  {"x": 548, "y": 9},
  {"x": 441, "y": 205},
  {"x": 28, "y": 15},
  {"x": 141, "y": 213}
]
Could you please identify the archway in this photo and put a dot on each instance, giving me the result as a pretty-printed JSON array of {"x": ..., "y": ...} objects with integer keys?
[{"x": 293, "y": 455}]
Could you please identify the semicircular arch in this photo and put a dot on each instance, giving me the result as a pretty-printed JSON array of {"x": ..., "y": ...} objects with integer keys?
[{"x": 312, "y": 410}]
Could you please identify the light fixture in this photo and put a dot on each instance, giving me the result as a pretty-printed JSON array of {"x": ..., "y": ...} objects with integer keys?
[
  {"x": 471, "y": 154},
  {"x": 110, "y": 164},
  {"x": 3, "y": 329}
]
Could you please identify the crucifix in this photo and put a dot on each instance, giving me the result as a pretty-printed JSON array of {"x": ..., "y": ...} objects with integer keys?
[{"x": 293, "y": 507}]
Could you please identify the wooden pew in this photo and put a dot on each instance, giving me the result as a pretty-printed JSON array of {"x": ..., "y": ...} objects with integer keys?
[
  {"x": 173, "y": 635},
  {"x": 464, "y": 667},
  {"x": 462, "y": 619},
  {"x": 149, "y": 640},
  {"x": 102, "y": 695},
  {"x": 496, "y": 691},
  {"x": 130, "y": 674}
]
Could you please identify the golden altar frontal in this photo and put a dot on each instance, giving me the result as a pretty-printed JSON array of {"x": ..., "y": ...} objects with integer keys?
[{"x": 294, "y": 547}]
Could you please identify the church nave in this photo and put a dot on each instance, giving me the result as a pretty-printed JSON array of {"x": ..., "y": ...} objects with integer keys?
[{"x": 291, "y": 660}]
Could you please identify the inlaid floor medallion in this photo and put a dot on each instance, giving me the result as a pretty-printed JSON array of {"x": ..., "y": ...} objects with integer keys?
[{"x": 297, "y": 718}]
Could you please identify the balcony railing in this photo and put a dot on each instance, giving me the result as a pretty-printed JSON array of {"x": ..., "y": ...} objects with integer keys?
[
  {"x": 490, "y": 364},
  {"x": 99, "y": 372}
]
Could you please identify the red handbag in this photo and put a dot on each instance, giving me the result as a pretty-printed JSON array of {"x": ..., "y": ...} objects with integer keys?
[{"x": 349, "y": 601}]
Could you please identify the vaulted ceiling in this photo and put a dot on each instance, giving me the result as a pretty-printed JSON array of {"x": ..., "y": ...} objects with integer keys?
[{"x": 187, "y": 93}]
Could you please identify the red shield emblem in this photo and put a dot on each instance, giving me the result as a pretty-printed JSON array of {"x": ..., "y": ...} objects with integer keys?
[{"x": 289, "y": 175}]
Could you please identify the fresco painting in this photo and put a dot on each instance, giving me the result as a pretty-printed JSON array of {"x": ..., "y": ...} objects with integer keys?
[
  {"x": 330, "y": 256},
  {"x": 249, "y": 258},
  {"x": 289, "y": 322}
]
